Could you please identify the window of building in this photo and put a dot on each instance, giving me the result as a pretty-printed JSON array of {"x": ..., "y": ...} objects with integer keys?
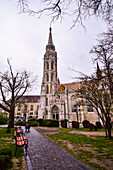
[
  {"x": 89, "y": 106},
  {"x": 46, "y": 112},
  {"x": 50, "y": 89},
  {"x": 73, "y": 104},
  {"x": 46, "y": 101},
  {"x": 31, "y": 108},
  {"x": 47, "y": 66},
  {"x": 18, "y": 113},
  {"x": 47, "y": 77},
  {"x": 47, "y": 89},
  {"x": 51, "y": 65},
  {"x": 51, "y": 76},
  {"x": 31, "y": 113},
  {"x": 30, "y": 116},
  {"x": 19, "y": 107},
  {"x": 25, "y": 107},
  {"x": 37, "y": 107}
]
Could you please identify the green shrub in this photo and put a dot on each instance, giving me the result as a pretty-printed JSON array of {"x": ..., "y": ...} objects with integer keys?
[
  {"x": 51, "y": 123},
  {"x": 95, "y": 127},
  {"x": 6, "y": 151},
  {"x": 75, "y": 124},
  {"x": 24, "y": 123},
  {"x": 91, "y": 126},
  {"x": 32, "y": 120},
  {"x": 19, "y": 123},
  {"x": 3, "y": 119},
  {"x": 33, "y": 123},
  {"x": 98, "y": 124},
  {"x": 40, "y": 122},
  {"x": 85, "y": 123},
  {"x": 64, "y": 123},
  {"x": 5, "y": 158},
  {"x": 4, "y": 161}
]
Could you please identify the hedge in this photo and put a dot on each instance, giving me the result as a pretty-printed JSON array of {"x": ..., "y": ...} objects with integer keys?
[
  {"x": 5, "y": 158},
  {"x": 85, "y": 123},
  {"x": 3, "y": 119},
  {"x": 98, "y": 124},
  {"x": 64, "y": 123},
  {"x": 50, "y": 123},
  {"x": 75, "y": 124}
]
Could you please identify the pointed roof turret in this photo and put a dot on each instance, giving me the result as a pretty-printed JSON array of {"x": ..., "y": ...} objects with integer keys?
[
  {"x": 99, "y": 72},
  {"x": 50, "y": 44}
]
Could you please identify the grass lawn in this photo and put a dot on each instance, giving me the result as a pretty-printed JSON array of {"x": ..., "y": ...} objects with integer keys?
[
  {"x": 7, "y": 143},
  {"x": 96, "y": 151}
]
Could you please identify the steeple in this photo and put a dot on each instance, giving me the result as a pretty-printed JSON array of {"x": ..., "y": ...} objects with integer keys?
[
  {"x": 99, "y": 72},
  {"x": 50, "y": 44}
]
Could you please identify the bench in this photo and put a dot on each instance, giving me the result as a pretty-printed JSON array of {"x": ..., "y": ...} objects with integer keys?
[{"x": 20, "y": 139}]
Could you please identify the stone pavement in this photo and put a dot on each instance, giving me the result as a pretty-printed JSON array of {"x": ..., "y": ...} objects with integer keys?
[{"x": 45, "y": 154}]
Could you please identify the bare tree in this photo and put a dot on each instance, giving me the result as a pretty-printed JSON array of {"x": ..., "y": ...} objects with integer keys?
[
  {"x": 95, "y": 92},
  {"x": 103, "y": 53},
  {"x": 80, "y": 10},
  {"x": 97, "y": 89},
  {"x": 13, "y": 85}
]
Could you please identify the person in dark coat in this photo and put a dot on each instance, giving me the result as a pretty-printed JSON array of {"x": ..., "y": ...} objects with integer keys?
[{"x": 27, "y": 127}]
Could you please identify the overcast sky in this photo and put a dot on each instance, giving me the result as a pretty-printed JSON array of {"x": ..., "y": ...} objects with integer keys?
[{"x": 24, "y": 38}]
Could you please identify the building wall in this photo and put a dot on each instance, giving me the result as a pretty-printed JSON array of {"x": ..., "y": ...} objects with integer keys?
[{"x": 31, "y": 111}]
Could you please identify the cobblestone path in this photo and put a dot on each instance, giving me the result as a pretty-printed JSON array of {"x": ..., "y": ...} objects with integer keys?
[{"x": 45, "y": 154}]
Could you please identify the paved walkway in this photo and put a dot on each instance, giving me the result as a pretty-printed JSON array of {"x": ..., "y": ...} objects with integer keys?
[{"x": 45, "y": 154}]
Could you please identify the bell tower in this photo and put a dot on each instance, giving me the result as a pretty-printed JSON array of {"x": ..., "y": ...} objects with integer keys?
[{"x": 49, "y": 80}]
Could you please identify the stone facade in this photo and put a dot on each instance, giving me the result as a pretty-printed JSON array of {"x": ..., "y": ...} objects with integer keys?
[{"x": 27, "y": 107}]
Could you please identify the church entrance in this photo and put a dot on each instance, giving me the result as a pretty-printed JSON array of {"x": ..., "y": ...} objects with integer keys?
[{"x": 55, "y": 112}]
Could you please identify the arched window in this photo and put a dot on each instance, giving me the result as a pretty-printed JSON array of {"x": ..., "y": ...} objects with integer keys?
[
  {"x": 46, "y": 112},
  {"x": 46, "y": 101},
  {"x": 89, "y": 106},
  {"x": 52, "y": 65},
  {"x": 47, "y": 77},
  {"x": 31, "y": 108},
  {"x": 55, "y": 112},
  {"x": 19, "y": 107},
  {"x": 47, "y": 89},
  {"x": 50, "y": 89},
  {"x": 47, "y": 66},
  {"x": 51, "y": 76},
  {"x": 25, "y": 107},
  {"x": 73, "y": 104}
]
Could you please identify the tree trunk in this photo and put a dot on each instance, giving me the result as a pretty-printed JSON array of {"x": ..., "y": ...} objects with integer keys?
[
  {"x": 109, "y": 128},
  {"x": 11, "y": 120},
  {"x": 105, "y": 130}
]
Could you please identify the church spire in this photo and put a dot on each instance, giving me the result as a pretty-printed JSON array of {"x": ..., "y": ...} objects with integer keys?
[
  {"x": 50, "y": 44},
  {"x": 98, "y": 72}
]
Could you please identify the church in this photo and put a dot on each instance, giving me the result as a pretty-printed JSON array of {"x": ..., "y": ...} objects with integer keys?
[{"x": 59, "y": 101}]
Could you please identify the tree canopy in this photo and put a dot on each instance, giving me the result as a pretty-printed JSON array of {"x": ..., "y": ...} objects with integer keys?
[{"x": 78, "y": 10}]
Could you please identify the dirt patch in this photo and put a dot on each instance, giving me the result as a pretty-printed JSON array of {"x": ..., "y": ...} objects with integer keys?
[
  {"x": 47, "y": 130},
  {"x": 105, "y": 163},
  {"x": 89, "y": 133},
  {"x": 6, "y": 138}
]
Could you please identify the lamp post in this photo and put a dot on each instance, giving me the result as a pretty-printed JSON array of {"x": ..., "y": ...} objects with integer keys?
[{"x": 67, "y": 108}]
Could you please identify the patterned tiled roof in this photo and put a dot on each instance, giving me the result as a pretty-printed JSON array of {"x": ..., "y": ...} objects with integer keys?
[{"x": 69, "y": 86}]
